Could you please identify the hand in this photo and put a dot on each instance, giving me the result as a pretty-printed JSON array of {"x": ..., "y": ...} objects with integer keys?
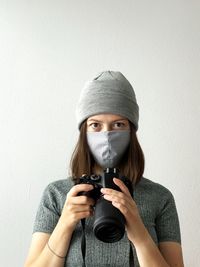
[
  {"x": 77, "y": 207},
  {"x": 125, "y": 203}
]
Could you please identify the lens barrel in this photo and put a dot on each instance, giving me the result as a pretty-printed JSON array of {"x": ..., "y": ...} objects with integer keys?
[{"x": 109, "y": 223}]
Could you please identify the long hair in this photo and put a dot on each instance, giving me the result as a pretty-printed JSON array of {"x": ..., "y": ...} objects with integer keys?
[{"x": 131, "y": 165}]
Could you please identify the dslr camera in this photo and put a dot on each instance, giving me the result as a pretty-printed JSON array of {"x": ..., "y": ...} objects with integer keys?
[{"x": 109, "y": 222}]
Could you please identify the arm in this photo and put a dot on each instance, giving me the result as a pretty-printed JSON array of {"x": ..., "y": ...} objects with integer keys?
[
  {"x": 75, "y": 208},
  {"x": 172, "y": 252},
  {"x": 149, "y": 255}
]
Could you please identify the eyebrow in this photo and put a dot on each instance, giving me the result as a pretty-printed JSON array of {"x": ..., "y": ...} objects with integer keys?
[
  {"x": 89, "y": 120},
  {"x": 94, "y": 120}
]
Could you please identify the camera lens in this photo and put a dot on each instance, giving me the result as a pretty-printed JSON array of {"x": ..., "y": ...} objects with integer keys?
[
  {"x": 109, "y": 223},
  {"x": 109, "y": 231}
]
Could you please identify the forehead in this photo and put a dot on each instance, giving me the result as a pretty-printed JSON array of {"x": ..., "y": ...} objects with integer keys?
[{"x": 106, "y": 117}]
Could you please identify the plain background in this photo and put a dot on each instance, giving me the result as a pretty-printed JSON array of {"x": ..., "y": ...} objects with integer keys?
[{"x": 48, "y": 49}]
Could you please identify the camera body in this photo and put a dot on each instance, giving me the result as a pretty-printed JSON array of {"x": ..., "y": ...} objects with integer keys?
[{"x": 109, "y": 222}]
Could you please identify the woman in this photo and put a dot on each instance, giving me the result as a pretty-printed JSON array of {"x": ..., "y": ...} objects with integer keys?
[{"x": 107, "y": 116}]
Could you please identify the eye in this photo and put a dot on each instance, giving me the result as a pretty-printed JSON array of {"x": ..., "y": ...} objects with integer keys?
[
  {"x": 95, "y": 125},
  {"x": 119, "y": 125}
]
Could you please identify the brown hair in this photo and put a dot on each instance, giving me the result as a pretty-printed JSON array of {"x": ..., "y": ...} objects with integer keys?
[{"x": 131, "y": 166}]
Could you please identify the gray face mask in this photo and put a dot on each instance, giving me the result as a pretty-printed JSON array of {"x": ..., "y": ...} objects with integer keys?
[{"x": 108, "y": 147}]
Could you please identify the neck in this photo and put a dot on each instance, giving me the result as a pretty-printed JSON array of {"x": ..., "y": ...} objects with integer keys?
[{"x": 97, "y": 169}]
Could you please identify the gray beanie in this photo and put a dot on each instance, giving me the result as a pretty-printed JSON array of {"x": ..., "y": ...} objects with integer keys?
[{"x": 108, "y": 92}]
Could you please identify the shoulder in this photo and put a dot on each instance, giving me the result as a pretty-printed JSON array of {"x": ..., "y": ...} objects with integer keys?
[
  {"x": 152, "y": 194},
  {"x": 51, "y": 205},
  {"x": 151, "y": 187},
  {"x": 56, "y": 191},
  {"x": 62, "y": 185}
]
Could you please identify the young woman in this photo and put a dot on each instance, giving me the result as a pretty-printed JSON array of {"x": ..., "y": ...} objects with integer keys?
[{"x": 107, "y": 116}]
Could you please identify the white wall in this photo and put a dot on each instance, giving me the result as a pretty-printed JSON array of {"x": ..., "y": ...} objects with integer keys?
[{"x": 48, "y": 49}]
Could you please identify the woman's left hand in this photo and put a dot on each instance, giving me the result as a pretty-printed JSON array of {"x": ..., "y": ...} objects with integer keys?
[
  {"x": 147, "y": 251},
  {"x": 124, "y": 202}
]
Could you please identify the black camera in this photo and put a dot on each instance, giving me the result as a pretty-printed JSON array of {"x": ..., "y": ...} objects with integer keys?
[{"x": 109, "y": 222}]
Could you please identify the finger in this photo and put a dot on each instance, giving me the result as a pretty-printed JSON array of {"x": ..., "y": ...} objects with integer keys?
[
  {"x": 121, "y": 207},
  {"x": 79, "y": 188},
  {"x": 79, "y": 208},
  {"x": 122, "y": 186},
  {"x": 81, "y": 200},
  {"x": 119, "y": 203},
  {"x": 112, "y": 192},
  {"x": 84, "y": 214},
  {"x": 116, "y": 199}
]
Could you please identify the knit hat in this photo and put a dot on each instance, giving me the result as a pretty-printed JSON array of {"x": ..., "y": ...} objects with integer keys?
[{"x": 108, "y": 92}]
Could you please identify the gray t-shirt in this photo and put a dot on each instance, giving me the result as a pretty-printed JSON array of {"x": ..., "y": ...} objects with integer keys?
[{"x": 156, "y": 207}]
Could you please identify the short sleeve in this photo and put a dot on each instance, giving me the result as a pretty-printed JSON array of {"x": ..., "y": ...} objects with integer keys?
[
  {"x": 167, "y": 221},
  {"x": 47, "y": 214}
]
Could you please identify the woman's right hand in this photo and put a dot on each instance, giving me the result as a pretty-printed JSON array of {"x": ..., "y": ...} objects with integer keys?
[{"x": 76, "y": 206}]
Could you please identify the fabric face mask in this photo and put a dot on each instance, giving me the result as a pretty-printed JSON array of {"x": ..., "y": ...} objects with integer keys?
[{"x": 108, "y": 147}]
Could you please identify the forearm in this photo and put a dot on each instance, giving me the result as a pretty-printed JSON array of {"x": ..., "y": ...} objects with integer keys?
[
  {"x": 147, "y": 251},
  {"x": 58, "y": 242}
]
